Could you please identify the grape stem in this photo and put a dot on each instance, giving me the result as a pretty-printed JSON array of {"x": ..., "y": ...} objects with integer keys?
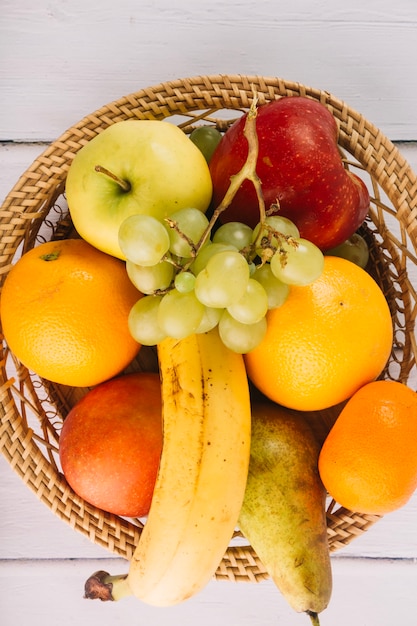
[
  {"x": 248, "y": 172},
  {"x": 174, "y": 225}
]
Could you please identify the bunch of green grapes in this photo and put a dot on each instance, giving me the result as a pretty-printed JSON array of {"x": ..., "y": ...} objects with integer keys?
[{"x": 193, "y": 280}]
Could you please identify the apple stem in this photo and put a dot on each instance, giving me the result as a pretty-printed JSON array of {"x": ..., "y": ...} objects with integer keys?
[{"x": 124, "y": 184}]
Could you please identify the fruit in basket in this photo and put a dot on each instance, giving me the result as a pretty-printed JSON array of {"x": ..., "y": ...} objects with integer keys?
[
  {"x": 326, "y": 341},
  {"x": 64, "y": 312},
  {"x": 143, "y": 239},
  {"x": 300, "y": 169},
  {"x": 202, "y": 475},
  {"x": 283, "y": 513},
  {"x": 111, "y": 442},
  {"x": 134, "y": 166},
  {"x": 230, "y": 280},
  {"x": 354, "y": 249},
  {"x": 206, "y": 138},
  {"x": 214, "y": 278},
  {"x": 368, "y": 462}
]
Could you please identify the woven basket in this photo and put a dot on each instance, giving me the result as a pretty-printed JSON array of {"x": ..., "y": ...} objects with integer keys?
[{"x": 35, "y": 210}]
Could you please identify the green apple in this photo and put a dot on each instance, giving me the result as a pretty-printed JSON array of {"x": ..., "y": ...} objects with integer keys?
[{"x": 134, "y": 167}]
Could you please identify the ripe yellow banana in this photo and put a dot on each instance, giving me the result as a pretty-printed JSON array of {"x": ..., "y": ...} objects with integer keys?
[{"x": 202, "y": 475}]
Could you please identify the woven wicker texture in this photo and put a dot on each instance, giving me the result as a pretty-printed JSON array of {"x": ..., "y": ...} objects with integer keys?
[{"x": 32, "y": 410}]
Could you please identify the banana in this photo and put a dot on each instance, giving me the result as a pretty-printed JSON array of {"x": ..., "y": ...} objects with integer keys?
[
  {"x": 283, "y": 513},
  {"x": 202, "y": 475}
]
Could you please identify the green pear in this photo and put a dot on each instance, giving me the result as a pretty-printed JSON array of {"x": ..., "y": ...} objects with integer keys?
[{"x": 283, "y": 514}]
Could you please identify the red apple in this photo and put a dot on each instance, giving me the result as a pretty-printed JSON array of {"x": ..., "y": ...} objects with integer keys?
[
  {"x": 300, "y": 168},
  {"x": 111, "y": 442}
]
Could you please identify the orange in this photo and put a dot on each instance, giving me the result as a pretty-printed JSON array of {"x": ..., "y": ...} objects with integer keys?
[
  {"x": 368, "y": 462},
  {"x": 64, "y": 311},
  {"x": 327, "y": 340}
]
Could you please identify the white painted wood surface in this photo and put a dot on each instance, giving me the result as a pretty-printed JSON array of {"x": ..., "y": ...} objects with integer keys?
[{"x": 60, "y": 60}]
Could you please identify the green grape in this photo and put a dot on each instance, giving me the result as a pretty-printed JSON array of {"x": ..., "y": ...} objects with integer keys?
[
  {"x": 224, "y": 279},
  {"x": 298, "y": 264},
  {"x": 143, "y": 321},
  {"x": 354, "y": 249},
  {"x": 276, "y": 223},
  {"x": 241, "y": 338},
  {"x": 179, "y": 314},
  {"x": 189, "y": 222},
  {"x": 252, "y": 306},
  {"x": 276, "y": 290},
  {"x": 210, "y": 319},
  {"x": 206, "y": 138},
  {"x": 143, "y": 239},
  {"x": 184, "y": 282},
  {"x": 234, "y": 233},
  {"x": 206, "y": 252},
  {"x": 152, "y": 278}
]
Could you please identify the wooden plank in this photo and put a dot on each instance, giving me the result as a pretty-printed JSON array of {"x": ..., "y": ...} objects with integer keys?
[
  {"x": 364, "y": 592},
  {"x": 62, "y": 61}
]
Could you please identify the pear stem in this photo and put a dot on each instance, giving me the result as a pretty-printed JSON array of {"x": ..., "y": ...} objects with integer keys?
[
  {"x": 314, "y": 618},
  {"x": 123, "y": 184}
]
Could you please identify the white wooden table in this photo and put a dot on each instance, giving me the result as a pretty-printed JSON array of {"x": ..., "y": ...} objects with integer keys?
[{"x": 61, "y": 60}]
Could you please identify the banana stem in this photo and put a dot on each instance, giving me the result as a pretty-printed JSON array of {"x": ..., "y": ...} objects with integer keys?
[
  {"x": 314, "y": 618},
  {"x": 102, "y": 586}
]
